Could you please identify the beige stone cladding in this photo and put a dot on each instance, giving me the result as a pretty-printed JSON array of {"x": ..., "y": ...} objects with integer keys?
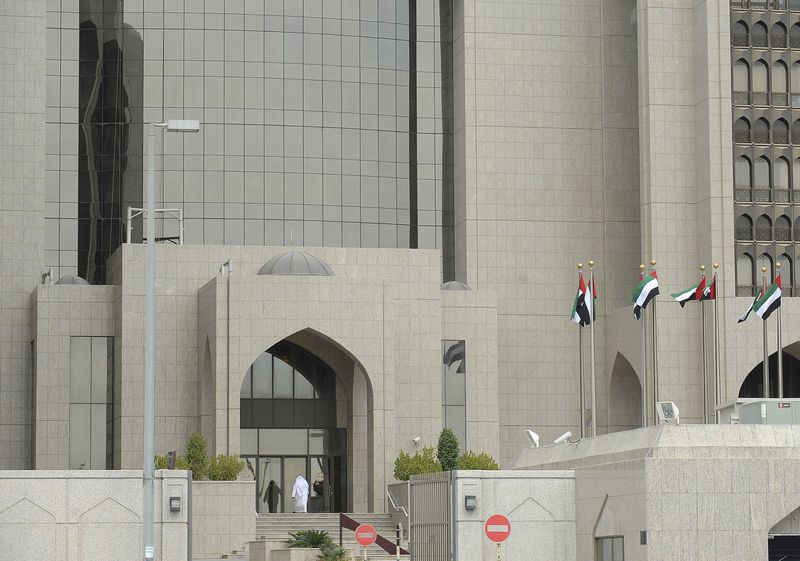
[
  {"x": 377, "y": 322},
  {"x": 61, "y": 312},
  {"x": 89, "y": 515},
  {"x": 223, "y": 517},
  {"x": 22, "y": 126},
  {"x": 472, "y": 316},
  {"x": 548, "y": 167},
  {"x": 698, "y": 492}
]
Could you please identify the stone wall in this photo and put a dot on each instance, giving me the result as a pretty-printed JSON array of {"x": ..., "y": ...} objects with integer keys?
[
  {"x": 540, "y": 505},
  {"x": 88, "y": 516},
  {"x": 223, "y": 517}
]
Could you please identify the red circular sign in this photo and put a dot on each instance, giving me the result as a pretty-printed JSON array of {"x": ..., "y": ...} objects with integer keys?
[
  {"x": 366, "y": 535},
  {"x": 497, "y": 528}
]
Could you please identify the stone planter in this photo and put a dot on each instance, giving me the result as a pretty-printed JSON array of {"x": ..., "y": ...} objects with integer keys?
[{"x": 261, "y": 551}]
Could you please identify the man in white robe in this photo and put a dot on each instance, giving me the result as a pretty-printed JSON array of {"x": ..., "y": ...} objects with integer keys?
[{"x": 300, "y": 494}]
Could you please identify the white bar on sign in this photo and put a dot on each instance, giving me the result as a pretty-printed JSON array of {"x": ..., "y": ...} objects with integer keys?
[
  {"x": 366, "y": 535},
  {"x": 497, "y": 528}
]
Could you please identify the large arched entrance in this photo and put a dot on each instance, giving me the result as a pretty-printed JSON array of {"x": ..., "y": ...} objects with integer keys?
[
  {"x": 753, "y": 384},
  {"x": 293, "y": 421},
  {"x": 624, "y": 397}
]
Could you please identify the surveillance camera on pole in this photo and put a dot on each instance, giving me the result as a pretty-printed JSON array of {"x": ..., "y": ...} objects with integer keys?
[{"x": 563, "y": 438}]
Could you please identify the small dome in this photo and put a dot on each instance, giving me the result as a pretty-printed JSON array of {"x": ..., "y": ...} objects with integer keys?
[
  {"x": 296, "y": 263},
  {"x": 71, "y": 279},
  {"x": 455, "y": 285}
]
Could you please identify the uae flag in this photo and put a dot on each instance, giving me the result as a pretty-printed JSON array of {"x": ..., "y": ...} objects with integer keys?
[
  {"x": 646, "y": 290},
  {"x": 710, "y": 291},
  {"x": 687, "y": 295},
  {"x": 749, "y": 309},
  {"x": 581, "y": 308},
  {"x": 770, "y": 301}
]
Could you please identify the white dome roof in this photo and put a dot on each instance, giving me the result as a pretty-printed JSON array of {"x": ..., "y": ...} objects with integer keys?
[{"x": 296, "y": 263}]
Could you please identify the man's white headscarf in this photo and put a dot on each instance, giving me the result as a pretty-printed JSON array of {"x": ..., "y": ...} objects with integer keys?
[{"x": 300, "y": 494}]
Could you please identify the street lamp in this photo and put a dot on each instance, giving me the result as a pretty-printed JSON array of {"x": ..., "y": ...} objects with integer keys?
[{"x": 150, "y": 328}]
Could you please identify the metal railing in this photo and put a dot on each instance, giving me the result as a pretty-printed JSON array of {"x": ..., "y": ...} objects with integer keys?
[
  {"x": 793, "y": 5},
  {"x": 762, "y": 195},
  {"x": 777, "y": 41},
  {"x": 760, "y": 137},
  {"x": 745, "y": 290},
  {"x": 781, "y": 195},
  {"x": 744, "y": 233},
  {"x": 783, "y": 234},
  {"x": 794, "y": 40},
  {"x": 796, "y": 135},
  {"x": 741, "y": 136},
  {"x": 780, "y": 98},
  {"x": 431, "y": 516},
  {"x": 763, "y": 234},
  {"x": 780, "y": 137},
  {"x": 743, "y": 195},
  {"x": 760, "y": 98},
  {"x": 758, "y": 40},
  {"x": 741, "y": 98},
  {"x": 740, "y": 39}
]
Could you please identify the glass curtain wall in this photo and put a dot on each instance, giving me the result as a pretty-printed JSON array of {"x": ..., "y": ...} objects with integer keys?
[
  {"x": 324, "y": 123},
  {"x": 454, "y": 389}
]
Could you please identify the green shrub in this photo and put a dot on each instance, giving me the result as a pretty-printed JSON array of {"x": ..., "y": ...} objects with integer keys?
[
  {"x": 162, "y": 462},
  {"x": 308, "y": 538},
  {"x": 447, "y": 451},
  {"x": 225, "y": 468},
  {"x": 407, "y": 465},
  {"x": 332, "y": 552},
  {"x": 197, "y": 456},
  {"x": 482, "y": 461}
]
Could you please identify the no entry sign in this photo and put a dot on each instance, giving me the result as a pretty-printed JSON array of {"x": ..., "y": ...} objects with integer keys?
[
  {"x": 497, "y": 528},
  {"x": 366, "y": 535}
]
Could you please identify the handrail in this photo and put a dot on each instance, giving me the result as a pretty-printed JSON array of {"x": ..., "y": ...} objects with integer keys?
[
  {"x": 351, "y": 524},
  {"x": 394, "y": 504}
]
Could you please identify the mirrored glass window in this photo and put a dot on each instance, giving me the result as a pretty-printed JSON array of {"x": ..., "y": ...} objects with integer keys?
[{"x": 454, "y": 389}]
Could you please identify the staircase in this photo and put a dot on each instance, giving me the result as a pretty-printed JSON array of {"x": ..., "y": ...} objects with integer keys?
[{"x": 275, "y": 528}]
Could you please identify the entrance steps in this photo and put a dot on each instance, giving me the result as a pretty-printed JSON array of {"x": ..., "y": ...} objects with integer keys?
[{"x": 275, "y": 528}]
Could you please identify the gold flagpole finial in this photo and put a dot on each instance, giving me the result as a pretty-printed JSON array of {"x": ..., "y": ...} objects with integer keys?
[
  {"x": 703, "y": 268},
  {"x": 764, "y": 270},
  {"x": 652, "y": 262},
  {"x": 641, "y": 267},
  {"x": 591, "y": 263},
  {"x": 778, "y": 265},
  {"x": 580, "y": 266},
  {"x": 716, "y": 265}
]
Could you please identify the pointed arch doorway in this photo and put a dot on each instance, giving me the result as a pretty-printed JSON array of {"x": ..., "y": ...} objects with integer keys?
[{"x": 293, "y": 411}]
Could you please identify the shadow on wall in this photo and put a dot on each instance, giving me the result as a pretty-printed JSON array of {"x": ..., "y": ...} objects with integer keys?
[{"x": 624, "y": 397}]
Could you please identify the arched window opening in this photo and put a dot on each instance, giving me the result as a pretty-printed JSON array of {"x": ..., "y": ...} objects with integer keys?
[
  {"x": 761, "y": 188},
  {"x": 764, "y": 261},
  {"x": 742, "y": 179},
  {"x": 741, "y": 131},
  {"x": 760, "y": 83},
  {"x": 761, "y": 131},
  {"x": 796, "y": 82},
  {"x": 744, "y": 275},
  {"x": 783, "y": 229},
  {"x": 780, "y": 83},
  {"x": 758, "y": 38},
  {"x": 796, "y": 175},
  {"x": 741, "y": 82},
  {"x": 780, "y": 132},
  {"x": 794, "y": 36},
  {"x": 740, "y": 34},
  {"x": 796, "y": 132},
  {"x": 744, "y": 228},
  {"x": 786, "y": 273},
  {"x": 763, "y": 229},
  {"x": 780, "y": 180},
  {"x": 777, "y": 37}
]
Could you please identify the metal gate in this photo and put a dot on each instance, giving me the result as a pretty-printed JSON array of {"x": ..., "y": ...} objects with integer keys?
[{"x": 430, "y": 516}]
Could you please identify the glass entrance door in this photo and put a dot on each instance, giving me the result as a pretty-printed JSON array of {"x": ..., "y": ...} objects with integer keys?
[{"x": 275, "y": 477}]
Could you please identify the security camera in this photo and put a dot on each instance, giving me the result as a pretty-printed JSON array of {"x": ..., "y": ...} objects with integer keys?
[
  {"x": 563, "y": 438},
  {"x": 533, "y": 438},
  {"x": 416, "y": 440}
]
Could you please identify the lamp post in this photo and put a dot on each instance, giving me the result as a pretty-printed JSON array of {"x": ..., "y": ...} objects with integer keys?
[{"x": 150, "y": 329}]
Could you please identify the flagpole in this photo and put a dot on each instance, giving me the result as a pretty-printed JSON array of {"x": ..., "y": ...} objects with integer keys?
[
  {"x": 591, "y": 339},
  {"x": 655, "y": 352},
  {"x": 580, "y": 370},
  {"x": 644, "y": 356},
  {"x": 705, "y": 356},
  {"x": 780, "y": 347},
  {"x": 765, "y": 368},
  {"x": 717, "y": 388}
]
